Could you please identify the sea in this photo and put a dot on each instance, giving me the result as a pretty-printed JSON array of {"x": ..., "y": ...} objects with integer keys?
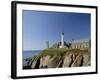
[{"x": 29, "y": 54}]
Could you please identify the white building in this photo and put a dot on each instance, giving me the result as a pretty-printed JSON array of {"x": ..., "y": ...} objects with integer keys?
[{"x": 62, "y": 40}]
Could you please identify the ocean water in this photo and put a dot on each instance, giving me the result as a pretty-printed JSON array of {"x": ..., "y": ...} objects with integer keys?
[{"x": 29, "y": 54}]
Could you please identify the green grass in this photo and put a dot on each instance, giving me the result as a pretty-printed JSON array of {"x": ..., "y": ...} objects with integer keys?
[{"x": 61, "y": 51}]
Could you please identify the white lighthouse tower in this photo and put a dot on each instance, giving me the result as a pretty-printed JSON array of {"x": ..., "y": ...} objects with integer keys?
[{"x": 62, "y": 40}]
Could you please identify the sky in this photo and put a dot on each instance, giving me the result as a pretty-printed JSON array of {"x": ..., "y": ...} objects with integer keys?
[{"x": 41, "y": 26}]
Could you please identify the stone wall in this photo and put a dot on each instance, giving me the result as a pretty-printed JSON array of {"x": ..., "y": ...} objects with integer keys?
[{"x": 78, "y": 44}]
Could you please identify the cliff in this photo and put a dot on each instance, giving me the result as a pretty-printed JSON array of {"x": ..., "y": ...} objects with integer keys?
[{"x": 57, "y": 58}]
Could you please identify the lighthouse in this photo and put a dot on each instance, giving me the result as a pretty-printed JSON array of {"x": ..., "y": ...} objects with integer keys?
[{"x": 62, "y": 40}]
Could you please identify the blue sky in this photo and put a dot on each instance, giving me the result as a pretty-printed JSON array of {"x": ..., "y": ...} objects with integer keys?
[{"x": 42, "y": 26}]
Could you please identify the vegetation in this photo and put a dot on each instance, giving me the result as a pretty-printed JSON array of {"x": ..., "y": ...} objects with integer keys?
[{"x": 61, "y": 51}]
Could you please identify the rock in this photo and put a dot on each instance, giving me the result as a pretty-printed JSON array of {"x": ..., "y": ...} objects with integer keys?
[
  {"x": 44, "y": 61},
  {"x": 54, "y": 61},
  {"x": 60, "y": 63},
  {"x": 67, "y": 60},
  {"x": 86, "y": 60},
  {"x": 50, "y": 62},
  {"x": 35, "y": 63},
  {"x": 77, "y": 60}
]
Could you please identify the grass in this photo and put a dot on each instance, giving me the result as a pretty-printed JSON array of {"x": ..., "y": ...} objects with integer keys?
[{"x": 61, "y": 51}]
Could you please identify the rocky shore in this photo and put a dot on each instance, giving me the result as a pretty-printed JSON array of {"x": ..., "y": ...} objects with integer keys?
[{"x": 58, "y": 58}]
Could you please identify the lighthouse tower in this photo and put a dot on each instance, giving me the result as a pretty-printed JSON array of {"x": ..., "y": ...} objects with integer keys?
[{"x": 62, "y": 40}]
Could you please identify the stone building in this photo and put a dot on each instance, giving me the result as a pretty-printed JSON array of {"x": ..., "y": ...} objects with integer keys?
[{"x": 80, "y": 44}]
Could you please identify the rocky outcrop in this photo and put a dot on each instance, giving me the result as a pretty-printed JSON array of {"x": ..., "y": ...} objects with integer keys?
[
  {"x": 54, "y": 61},
  {"x": 77, "y": 60},
  {"x": 67, "y": 59},
  {"x": 44, "y": 61},
  {"x": 86, "y": 60}
]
